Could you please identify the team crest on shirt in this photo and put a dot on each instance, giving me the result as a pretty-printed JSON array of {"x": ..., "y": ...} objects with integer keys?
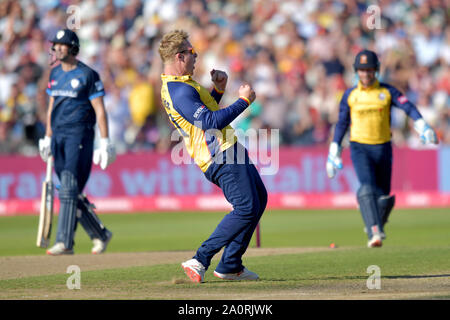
[
  {"x": 74, "y": 83},
  {"x": 381, "y": 96}
]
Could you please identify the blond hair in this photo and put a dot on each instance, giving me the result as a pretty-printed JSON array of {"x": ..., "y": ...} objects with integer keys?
[{"x": 171, "y": 44}]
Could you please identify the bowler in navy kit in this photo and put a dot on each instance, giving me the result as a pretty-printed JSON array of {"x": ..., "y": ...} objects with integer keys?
[{"x": 75, "y": 104}]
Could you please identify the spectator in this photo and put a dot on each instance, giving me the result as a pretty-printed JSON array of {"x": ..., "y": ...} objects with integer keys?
[{"x": 296, "y": 54}]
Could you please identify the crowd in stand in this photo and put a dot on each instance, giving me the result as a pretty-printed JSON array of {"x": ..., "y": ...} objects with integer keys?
[{"x": 297, "y": 54}]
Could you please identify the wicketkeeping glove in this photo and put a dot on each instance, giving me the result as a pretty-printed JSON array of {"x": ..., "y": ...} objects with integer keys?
[
  {"x": 105, "y": 154},
  {"x": 427, "y": 134},
  {"x": 334, "y": 161},
  {"x": 44, "y": 148}
]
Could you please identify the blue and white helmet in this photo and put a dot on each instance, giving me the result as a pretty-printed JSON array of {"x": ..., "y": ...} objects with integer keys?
[{"x": 68, "y": 37}]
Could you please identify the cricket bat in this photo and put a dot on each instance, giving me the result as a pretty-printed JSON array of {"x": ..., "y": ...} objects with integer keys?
[{"x": 46, "y": 213}]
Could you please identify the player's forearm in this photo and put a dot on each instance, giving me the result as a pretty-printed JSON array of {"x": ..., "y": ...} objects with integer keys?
[
  {"x": 221, "y": 118},
  {"x": 341, "y": 126},
  {"x": 339, "y": 132},
  {"x": 102, "y": 118},
  {"x": 343, "y": 121},
  {"x": 412, "y": 111},
  {"x": 216, "y": 94},
  {"x": 48, "y": 127},
  {"x": 103, "y": 124}
]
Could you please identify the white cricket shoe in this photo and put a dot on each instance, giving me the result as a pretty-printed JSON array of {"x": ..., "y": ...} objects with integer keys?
[
  {"x": 194, "y": 270},
  {"x": 375, "y": 242},
  {"x": 382, "y": 234},
  {"x": 99, "y": 245},
  {"x": 59, "y": 249},
  {"x": 245, "y": 274}
]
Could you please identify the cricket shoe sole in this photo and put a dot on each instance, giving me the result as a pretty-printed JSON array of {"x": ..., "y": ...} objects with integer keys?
[
  {"x": 59, "y": 249},
  {"x": 245, "y": 274},
  {"x": 194, "y": 270},
  {"x": 375, "y": 242}
]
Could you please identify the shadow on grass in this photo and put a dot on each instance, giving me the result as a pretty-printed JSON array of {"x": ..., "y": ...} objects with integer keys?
[
  {"x": 269, "y": 279},
  {"x": 331, "y": 278},
  {"x": 418, "y": 277},
  {"x": 316, "y": 279}
]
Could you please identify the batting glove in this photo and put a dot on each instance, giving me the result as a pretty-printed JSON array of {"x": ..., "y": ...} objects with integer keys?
[
  {"x": 426, "y": 133},
  {"x": 105, "y": 154},
  {"x": 44, "y": 148},
  {"x": 334, "y": 161}
]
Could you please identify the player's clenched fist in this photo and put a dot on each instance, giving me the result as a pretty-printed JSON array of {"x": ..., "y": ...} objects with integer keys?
[
  {"x": 219, "y": 78},
  {"x": 246, "y": 91}
]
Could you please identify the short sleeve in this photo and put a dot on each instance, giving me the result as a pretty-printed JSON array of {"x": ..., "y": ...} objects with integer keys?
[
  {"x": 95, "y": 86},
  {"x": 50, "y": 83}
]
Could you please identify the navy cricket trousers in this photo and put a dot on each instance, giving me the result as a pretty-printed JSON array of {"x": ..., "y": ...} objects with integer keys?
[
  {"x": 245, "y": 190},
  {"x": 72, "y": 149},
  {"x": 373, "y": 165}
]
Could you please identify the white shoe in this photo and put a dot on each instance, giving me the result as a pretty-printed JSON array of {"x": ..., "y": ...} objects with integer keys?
[
  {"x": 375, "y": 242},
  {"x": 382, "y": 234},
  {"x": 245, "y": 274},
  {"x": 194, "y": 270},
  {"x": 99, "y": 245},
  {"x": 59, "y": 249}
]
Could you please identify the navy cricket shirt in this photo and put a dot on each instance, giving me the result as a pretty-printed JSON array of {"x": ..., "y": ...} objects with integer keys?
[{"x": 73, "y": 91}]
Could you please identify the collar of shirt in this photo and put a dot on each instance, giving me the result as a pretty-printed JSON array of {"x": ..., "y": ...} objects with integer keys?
[
  {"x": 168, "y": 77},
  {"x": 374, "y": 85}
]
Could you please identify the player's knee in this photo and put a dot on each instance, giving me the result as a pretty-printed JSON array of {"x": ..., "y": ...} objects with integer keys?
[
  {"x": 366, "y": 190},
  {"x": 263, "y": 200},
  {"x": 386, "y": 202},
  {"x": 255, "y": 207},
  {"x": 251, "y": 208},
  {"x": 69, "y": 185},
  {"x": 84, "y": 204}
]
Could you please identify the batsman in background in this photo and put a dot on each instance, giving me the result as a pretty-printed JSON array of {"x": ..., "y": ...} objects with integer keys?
[
  {"x": 366, "y": 108},
  {"x": 211, "y": 142},
  {"x": 75, "y": 104}
]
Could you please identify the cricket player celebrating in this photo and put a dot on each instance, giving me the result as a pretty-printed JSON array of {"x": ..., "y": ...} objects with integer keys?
[
  {"x": 211, "y": 142},
  {"x": 366, "y": 108},
  {"x": 76, "y": 102}
]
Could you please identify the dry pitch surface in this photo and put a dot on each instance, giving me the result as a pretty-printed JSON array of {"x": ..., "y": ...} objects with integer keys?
[{"x": 417, "y": 287}]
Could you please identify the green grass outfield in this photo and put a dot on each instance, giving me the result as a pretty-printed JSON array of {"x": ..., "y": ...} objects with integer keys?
[
  {"x": 186, "y": 231},
  {"x": 414, "y": 259}
]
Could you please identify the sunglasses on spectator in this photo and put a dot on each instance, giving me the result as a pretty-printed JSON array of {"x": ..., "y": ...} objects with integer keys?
[{"x": 191, "y": 51}]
